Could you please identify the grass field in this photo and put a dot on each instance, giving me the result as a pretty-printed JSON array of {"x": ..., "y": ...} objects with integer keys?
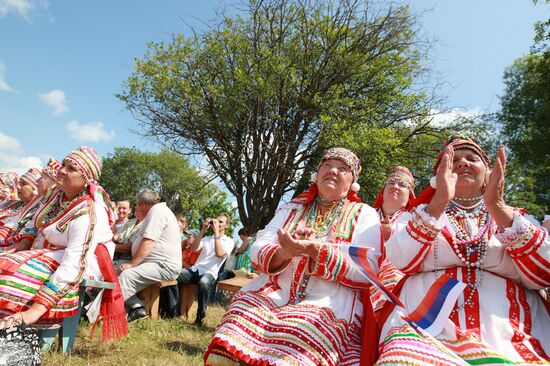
[{"x": 149, "y": 342}]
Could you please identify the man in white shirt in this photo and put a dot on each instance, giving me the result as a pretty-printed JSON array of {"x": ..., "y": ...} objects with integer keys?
[
  {"x": 214, "y": 251},
  {"x": 156, "y": 252}
]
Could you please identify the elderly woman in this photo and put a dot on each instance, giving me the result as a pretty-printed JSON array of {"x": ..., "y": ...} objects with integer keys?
[
  {"x": 19, "y": 231},
  {"x": 40, "y": 286},
  {"x": 467, "y": 232},
  {"x": 306, "y": 307},
  {"x": 26, "y": 191},
  {"x": 8, "y": 187},
  {"x": 396, "y": 198}
]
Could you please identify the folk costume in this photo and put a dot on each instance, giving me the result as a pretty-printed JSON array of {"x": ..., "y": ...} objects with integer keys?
[
  {"x": 389, "y": 275},
  {"x": 74, "y": 240},
  {"x": 311, "y": 311},
  {"x": 10, "y": 210},
  {"x": 23, "y": 226},
  {"x": 9, "y": 181},
  {"x": 499, "y": 318}
]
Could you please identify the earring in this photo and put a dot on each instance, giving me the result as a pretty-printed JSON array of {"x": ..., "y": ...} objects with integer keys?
[
  {"x": 355, "y": 187},
  {"x": 433, "y": 182},
  {"x": 313, "y": 177}
]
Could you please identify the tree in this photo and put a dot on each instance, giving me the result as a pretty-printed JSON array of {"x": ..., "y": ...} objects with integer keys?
[
  {"x": 257, "y": 93},
  {"x": 128, "y": 170},
  {"x": 524, "y": 115}
]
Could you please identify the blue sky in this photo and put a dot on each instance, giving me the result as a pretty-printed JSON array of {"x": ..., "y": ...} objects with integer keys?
[{"x": 62, "y": 62}]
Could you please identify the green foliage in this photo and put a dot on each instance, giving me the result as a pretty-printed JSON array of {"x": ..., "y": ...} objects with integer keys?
[
  {"x": 258, "y": 93},
  {"x": 524, "y": 117},
  {"x": 128, "y": 170}
]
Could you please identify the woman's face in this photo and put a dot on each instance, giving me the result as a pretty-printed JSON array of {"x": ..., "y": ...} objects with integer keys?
[
  {"x": 470, "y": 170},
  {"x": 44, "y": 183},
  {"x": 334, "y": 179},
  {"x": 396, "y": 192},
  {"x": 25, "y": 191},
  {"x": 4, "y": 192},
  {"x": 70, "y": 179}
]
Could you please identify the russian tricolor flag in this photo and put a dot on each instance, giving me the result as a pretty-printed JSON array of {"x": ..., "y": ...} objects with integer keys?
[
  {"x": 359, "y": 257},
  {"x": 434, "y": 310}
]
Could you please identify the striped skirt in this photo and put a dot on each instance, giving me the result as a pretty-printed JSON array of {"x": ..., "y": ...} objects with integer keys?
[
  {"x": 22, "y": 274},
  {"x": 258, "y": 332},
  {"x": 404, "y": 346}
]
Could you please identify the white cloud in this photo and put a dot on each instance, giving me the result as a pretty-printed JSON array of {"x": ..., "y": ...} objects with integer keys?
[
  {"x": 55, "y": 99},
  {"x": 24, "y": 8},
  {"x": 442, "y": 119},
  {"x": 11, "y": 158},
  {"x": 8, "y": 142},
  {"x": 3, "y": 84},
  {"x": 89, "y": 132}
]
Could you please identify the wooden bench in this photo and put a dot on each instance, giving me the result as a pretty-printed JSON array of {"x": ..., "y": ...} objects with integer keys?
[
  {"x": 67, "y": 329},
  {"x": 150, "y": 297},
  {"x": 187, "y": 297},
  {"x": 234, "y": 284}
]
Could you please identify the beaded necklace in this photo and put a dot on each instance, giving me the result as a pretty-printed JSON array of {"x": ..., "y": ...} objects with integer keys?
[
  {"x": 321, "y": 223},
  {"x": 468, "y": 235},
  {"x": 391, "y": 218},
  {"x": 59, "y": 206}
]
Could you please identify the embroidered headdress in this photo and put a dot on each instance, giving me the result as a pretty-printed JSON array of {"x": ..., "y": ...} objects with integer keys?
[
  {"x": 338, "y": 153},
  {"x": 10, "y": 180},
  {"x": 51, "y": 169},
  {"x": 349, "y": 158},
  {"x": 31, "y": 177},
  {"x": 458, "y": 142},
  {"x": 398, "y": 174},
  {"x": 87, "y": 161}
]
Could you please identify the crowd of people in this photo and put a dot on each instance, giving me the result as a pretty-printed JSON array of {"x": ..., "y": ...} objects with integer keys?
[{"x": 334, "y": 281}]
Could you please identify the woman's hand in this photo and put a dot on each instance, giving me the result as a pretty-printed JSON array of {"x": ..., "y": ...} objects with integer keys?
[
  {"x": 446, "y": 182},
  {"x": 29, "y": 316},
  {"x": 494, "y": 192},
  {"x": 386, "y": 228},
  {"x": 299, "y": 243}
]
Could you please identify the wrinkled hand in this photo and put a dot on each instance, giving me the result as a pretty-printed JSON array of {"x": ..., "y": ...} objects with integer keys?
[
  {"x": 294, "y": 247},
  {"x": 494, "y": 191},
  {"x": 446, "y": 184},
  {"x": 28, "y": 317},
  {"x": 304, "y": 234}
]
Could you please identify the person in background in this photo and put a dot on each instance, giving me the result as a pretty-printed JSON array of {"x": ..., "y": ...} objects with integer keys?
[
  {"x": 156, "y": 252},
  {"x": 394, "y": 199},
  {"x": 124, "y": 211},
  {"x": 27, "y": 190},
  {"x": 125, "y": 236},
  {"x": 213, "y": 252},
  {"x": 189, "y": 256},
  {"x": 21, "y": 235},
  {"x": 8, "y": 186}
]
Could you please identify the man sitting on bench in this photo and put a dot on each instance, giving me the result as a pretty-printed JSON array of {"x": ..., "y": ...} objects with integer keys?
[
  {"x": 214, "y": 250},
  {"x": 156, "y": 252}
]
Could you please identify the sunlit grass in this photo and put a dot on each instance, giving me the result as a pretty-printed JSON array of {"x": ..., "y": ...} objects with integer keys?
[{"x": 149, "y": 342}]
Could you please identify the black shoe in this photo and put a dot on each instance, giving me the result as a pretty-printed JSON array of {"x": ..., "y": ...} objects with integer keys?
[
  {"x": 198, "y": 322},
  {"x": 136, "y": 314}
]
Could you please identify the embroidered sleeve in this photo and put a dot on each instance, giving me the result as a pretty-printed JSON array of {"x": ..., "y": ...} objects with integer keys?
[
  {"x": 529, "y": 247},
  {"x": 413, "y": 239},
  {"x": 67, "y": 276},
  {"x": 267, "y": 242}
]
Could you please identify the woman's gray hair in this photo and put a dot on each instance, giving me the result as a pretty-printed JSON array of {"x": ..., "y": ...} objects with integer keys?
[{"x": 148, "y": 197}]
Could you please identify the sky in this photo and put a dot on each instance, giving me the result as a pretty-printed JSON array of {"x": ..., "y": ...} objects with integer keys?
[{"x": 62, "y": 62}]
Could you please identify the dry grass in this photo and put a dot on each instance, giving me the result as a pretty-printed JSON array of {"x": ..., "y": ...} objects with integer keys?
[{"x": 149, "y": 342}]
